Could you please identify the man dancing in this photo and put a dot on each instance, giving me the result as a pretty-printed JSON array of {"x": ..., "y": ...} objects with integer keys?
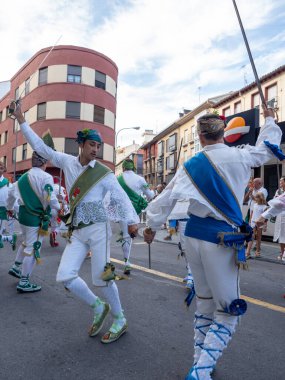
[
  {"x": 214, "y": 182},
  {"x": 88, "y": 182},
  {"x": 34, "y": 193},
  {"x": 134, "y": 185}
]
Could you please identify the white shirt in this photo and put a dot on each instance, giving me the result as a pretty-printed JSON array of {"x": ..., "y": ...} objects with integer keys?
[
  {"x": 137, "y": 184},
  {"x": 233, "y": 163},
  {"x": 38, "y": 179},
  {"x": 106, "y": 200},
  {"x": 256, "y": 213}
]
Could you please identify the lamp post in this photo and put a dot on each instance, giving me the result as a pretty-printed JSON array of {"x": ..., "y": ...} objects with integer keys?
[{"x": 116, "y": 139}]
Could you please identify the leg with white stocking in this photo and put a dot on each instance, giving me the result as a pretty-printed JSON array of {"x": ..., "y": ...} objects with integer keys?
[
  {"x": 216, "y": 340},
  {"x": 203, "y": 320},
  {"x": 216, "y": 274},
  {"x": 126, "y": 242},
  {"x": 15, "y": 270},
  {"x": 119, "y": 325}
]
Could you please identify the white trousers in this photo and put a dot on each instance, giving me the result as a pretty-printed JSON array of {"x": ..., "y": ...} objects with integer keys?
[
  {"x": 30, "y": 235},
  {"x": 94, "y": 238},
  {"x": 215, "y": 274}
]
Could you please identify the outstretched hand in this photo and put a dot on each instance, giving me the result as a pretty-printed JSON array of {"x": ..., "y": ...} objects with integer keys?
[
  {"x": 133, "y": 230},
  {"x": 268, "y": 111},
  {"x": 16, "y": 111},
  {"x": 148, "y": 235}
]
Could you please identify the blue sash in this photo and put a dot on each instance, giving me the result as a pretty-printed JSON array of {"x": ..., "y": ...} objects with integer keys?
[{"x": 213, "y": 187}]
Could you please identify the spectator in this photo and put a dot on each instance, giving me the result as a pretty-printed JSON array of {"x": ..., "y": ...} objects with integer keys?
[
  {"x": 279, "y": 230},
  {"x": 258, "y": 208},
  {"x": 252, "y": 192}
]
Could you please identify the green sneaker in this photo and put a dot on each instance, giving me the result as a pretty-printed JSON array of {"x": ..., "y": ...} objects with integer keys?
[
  {"x": 28, "y": 287},
  {"x": 15, "y": 272},
  {"x": 111, "y": 335},
  {"x": 127, "y": 269},
  {"x": 99, "y": 319}
]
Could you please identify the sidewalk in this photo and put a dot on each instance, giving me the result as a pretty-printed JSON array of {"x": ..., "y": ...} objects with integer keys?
[{"x": 269, "y": 250}]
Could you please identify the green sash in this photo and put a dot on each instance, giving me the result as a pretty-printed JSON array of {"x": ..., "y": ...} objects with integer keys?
[
  {"x": 3, "y": 213},
  {"x": 4, "y": 182},
  {"x": 84, "y": 183},
  {"x": 139, "y": 203},
  {"x": 32, "y": 213}
]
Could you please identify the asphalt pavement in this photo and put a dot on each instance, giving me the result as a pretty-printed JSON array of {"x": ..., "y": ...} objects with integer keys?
[{"x": 44, "y": 335}]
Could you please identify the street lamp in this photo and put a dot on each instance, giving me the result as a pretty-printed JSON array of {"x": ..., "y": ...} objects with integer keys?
[{"x": 116, "y": 139}]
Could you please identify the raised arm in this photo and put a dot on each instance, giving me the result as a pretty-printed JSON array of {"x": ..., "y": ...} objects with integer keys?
[
  {"x": 36, "y": 142},
  {"x": 270, "y": 131}
]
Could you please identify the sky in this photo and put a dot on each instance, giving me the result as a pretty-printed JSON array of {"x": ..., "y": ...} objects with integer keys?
[{"x": 171, "y": 54}]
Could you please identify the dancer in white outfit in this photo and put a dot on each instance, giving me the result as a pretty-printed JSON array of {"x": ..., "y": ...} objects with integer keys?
[
  {"x": 88, "y": 182},
  {"x": 214, "y": 182}
]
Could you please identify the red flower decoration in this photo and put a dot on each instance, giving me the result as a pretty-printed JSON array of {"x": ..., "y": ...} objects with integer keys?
[{"x": 222, "y": 117}]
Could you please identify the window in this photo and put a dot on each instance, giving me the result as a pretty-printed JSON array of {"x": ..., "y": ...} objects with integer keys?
[
  {"x": 160, "y": 148},
  {"x": 193, "y": 131},
  {"x": 99, "y": 114},
  {"x": 255, "y": 100},
  {"x": 1, "y": 115},
  {"x": 71, "y": 147},
  {"x": 172, "y": 142},
  {"x": 24, "y": 152},
  {"x": 6, "y": 137},
  {"x": 41, "y": 112},
  {"x": 5, "y": 160},
  {"x": 100, "y": 80},
  {"x": 13, "y": 155},
  {"x": 237, "y": 107},
  {"x": 271, "y": 95},
  {"x": 27, "y": 86},
  {"x": 185, "y": 155},
  {"x": 17, "y": 93},
  {"x": 72, "y": 110},
  {"x": 7, "y": 112},
  {"x": 74, "y": 74},
  {"x": 227, "y": 111},
  {"x": 43, "y": 75},
  {"x": 160, "y": 166}
]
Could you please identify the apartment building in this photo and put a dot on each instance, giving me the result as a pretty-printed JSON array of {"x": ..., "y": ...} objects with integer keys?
[{"x": 65, "y": 90}]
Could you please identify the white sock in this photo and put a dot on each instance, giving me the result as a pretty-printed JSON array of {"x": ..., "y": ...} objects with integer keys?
[
  {"x": 20, "y": 254},
  {"x": 79, "y": 287},
  {"x": 111, "y": 294},
  {"x": 28, "y": 265},
  {"x": 126, "y": 246}
]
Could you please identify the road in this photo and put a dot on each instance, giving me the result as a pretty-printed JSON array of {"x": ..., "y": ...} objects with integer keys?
[{"x": 44, "y": 335}]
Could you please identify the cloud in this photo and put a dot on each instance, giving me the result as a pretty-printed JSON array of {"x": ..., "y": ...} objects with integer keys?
[{"x": 164, "y": 50}]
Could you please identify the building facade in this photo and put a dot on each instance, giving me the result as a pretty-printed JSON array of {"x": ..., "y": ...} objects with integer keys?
[
  {"x": 74, "y": 88},
  {"x": 179, "y": 142}
]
